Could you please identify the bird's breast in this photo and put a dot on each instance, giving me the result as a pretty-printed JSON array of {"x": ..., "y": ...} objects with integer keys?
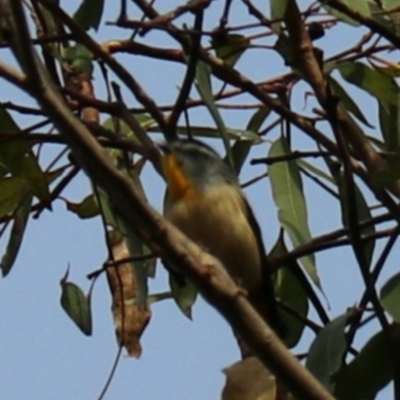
[{"x": 217, "y": 221}]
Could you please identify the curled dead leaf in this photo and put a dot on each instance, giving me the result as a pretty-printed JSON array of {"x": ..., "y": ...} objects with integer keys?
[{"x": 130, "y": 319}]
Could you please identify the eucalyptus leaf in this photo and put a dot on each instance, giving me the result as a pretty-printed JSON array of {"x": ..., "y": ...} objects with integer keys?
[
  {"x": 87, "y": 208},
  {"x": 389, "y": 120},
  {"x": 77, "y": 305},
  {"x": 17, "y": 233},
  {"x": 290, "y": 292},
  {"x": 390, "y": 297},
  {"x": 11, "y": 191},
  {"x": 89, "y": 14},
  {"x": 287, "y": 190},
  {"x": 325, "y": 356},
  {"x": 229, "y": 47},
  {"x": 359, "y": 6},
  {"x": 347, "y": 101},
  {"x": 204, "y": 87},
  {"x": 184, "y": 292},
  {"x": 369, "y": 372},
  {"x": 376, "y": 83}
]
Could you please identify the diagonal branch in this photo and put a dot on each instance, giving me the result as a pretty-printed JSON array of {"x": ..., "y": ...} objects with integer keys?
[{"x": 211, "y": 278}]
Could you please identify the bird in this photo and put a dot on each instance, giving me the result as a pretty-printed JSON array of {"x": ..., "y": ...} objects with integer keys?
[{"x": 205, "y": 201}]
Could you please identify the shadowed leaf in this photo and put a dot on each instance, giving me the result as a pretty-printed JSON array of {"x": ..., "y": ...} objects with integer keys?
[
  {"x": 359, "y": 6},
  {"x": 377, "y": 84},
  {"x": 11, "y": 190},
  {"x": 325, "y": 356},
  {"x": 87, "y": 208},
  {"x": 390, "y": 297},
  {"x": 291, "y": 293},
  {"x": 229, "y": 47},
  {"x": 348, "y": 102},
  {"x": 369, "y": 372},
  {"x": 77, "y": 305},
  {"x": 17, "y": 234},
  {"x": 89, "y": 14}
]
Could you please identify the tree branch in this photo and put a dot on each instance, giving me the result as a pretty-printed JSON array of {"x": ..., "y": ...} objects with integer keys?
[{"x": 211, "y": 278}]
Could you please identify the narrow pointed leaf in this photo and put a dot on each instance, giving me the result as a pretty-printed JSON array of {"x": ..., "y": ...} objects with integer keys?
[
  {"x": 87, "y": 208},
  {"x": 230, "y": 47},
  {"x": 203, "y": 85},
  {"x": 348, "y": 102},
  {"x": 28, "y": 168},
  {"x": 278, "y": 9},
  {"x": 369, "y": 372},
  {"x": 184, "y": 293},
  {"x": 326, "y": 352},
  {"x": 77, "y": 305},
  {"x": 89, "y": 14},
  {"x": 390, "y": 297},
  {"x": 363, "y": 211},
  {"x": 17, "y": 234},
  {"x": 389, "y": 120},
  {"x": 287, "y": 190},
  {"x": 290, "y": 292},
  {"x": 11, "y": 190},
  {"x": 377, "y": 84},
  {"x": 241, "y": 148},
  {"x": 359, "y": 6}
]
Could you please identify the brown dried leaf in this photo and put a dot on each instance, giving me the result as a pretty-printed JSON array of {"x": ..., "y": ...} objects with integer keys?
[
  {"x": 130, "y": 319},
  {"x": 249, "y": 379}
]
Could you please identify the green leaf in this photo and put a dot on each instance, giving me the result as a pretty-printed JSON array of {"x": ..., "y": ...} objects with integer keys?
[
  {"x": 314, "y": 170},
  {"x": 277, "y": 12},
  {"x": 287, "y": 190},
  {"x": 11, "y": 190},
  {"x": 291, "y": 292},
  {"x": 107, "y": 210},
  {"x": 201, "y": 131},
  {"x": 387, "y": 19},
  {"x": 390, "y": 4},
  {"x": 359, "y": 6},
  {"x": 184, "y": 293},
  {"x": 390, "y": 297},
  {"x": 325, "y": 356},
  {"x": 377, "y": 84},
  {"x": 390, "y": 174},
  {"x": 241, "y": 148},
  {"x": 89, "y": 14},
  {"x": 389, "y": 120},
  {"x": 121, "y": 128},
  {"x": 278, "y": 8},
  {"x": 257, "y": 119},
  {"x": 363, "y": 211},
  {"x": 79, "y": 59},
  {"x": 7, "y": 124},
  {"x": 87, "y": 208},
  {"x": 17, "y": 234},
  {"x": 76, "y": 304},
  {"x": 17, "y": 158},
  {"x": 347, "y": 101},
  {"x": 203, "y": 85},
  {"x": 28, "y": 168},
  {"x": 229, "y": 47},
  {"x": 369, "y": 372},
  {"x": 284, "y": 47}
]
